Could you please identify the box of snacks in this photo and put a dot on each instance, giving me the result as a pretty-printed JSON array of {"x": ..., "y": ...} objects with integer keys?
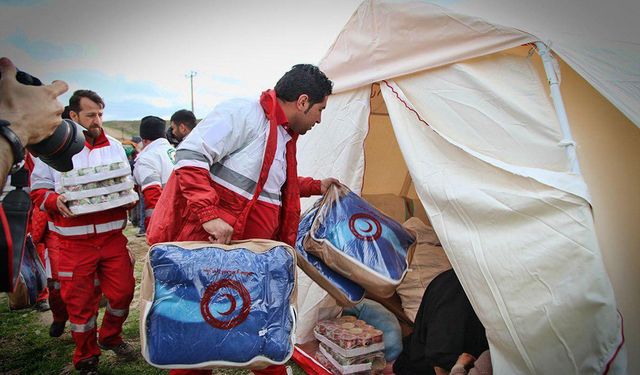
[
  {"x": 98, "y": 188},
  {"x": 93, "y": 174},
  {"x": 349, "y": 336},
  {"x": 372, "y": 363}
]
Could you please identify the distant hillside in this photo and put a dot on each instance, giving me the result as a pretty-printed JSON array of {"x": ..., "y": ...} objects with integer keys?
[
  {"x": 121, "y": 130},
  {"x": 124, "y": 130}
]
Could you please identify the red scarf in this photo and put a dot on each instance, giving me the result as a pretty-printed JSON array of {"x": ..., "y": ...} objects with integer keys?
[{"x": 290, "y": 214}]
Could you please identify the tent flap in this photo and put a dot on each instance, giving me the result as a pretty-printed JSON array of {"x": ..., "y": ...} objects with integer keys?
[{"x": 521, "y": 250}]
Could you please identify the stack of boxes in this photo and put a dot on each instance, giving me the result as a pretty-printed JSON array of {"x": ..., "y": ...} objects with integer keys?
[
  {"x": 99, "y": 188},
  {"x": 350, "y": 346}
]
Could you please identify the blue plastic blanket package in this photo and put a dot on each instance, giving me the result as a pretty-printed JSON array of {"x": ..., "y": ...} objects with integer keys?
[
  {"x": 32, "y": 275},
  {"x": 215, "y": 305},
  {"x": 33, "y": 271},
  {"x": 361, "y": 237},
  {"x": 342, "y": 289}
]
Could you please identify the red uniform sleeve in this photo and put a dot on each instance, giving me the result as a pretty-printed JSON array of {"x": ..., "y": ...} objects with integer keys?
[
  {"x": 49, "y": 197},
  {"x": 202, "y": 198},
  {"x": 151, "y": 195},
  {"x": 309, "y": 186}
]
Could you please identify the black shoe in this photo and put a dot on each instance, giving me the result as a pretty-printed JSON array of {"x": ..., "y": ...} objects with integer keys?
[
  {"x": 42, "y": 306},
  {"x": 123, "y": 350},
  {"x": 56, "y": 329},
  {"x": 88, "y": 366}
]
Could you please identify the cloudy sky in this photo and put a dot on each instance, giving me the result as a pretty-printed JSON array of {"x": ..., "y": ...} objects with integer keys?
[{"x": 136, "y": 53}]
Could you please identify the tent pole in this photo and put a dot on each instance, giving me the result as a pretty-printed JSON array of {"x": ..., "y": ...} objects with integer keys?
[{"x": 554, "y": 85}]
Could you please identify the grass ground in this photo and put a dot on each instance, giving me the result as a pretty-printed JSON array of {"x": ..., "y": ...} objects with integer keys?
[{"x": 26, "y": 348}]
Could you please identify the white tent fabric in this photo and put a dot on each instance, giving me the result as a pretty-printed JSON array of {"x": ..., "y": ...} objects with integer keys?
[
  {"x": 488, "y": 167},
  {"x": 502, "y": 116},
  {"x": 599, "y": 39},
  {"x": 521, "y": 250},
  {"x": 370, "y": 50}
]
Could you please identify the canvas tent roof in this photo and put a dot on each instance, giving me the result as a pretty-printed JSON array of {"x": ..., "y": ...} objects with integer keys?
[
  {"x": 600, "y": 40},
  {"x": 481, "y": 142}
]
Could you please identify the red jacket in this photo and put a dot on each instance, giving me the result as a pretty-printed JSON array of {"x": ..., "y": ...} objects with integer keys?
[{"x": 191, "y": 197}]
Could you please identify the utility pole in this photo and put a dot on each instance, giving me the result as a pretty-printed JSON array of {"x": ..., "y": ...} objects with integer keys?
[{"x": 190, "y": 75}]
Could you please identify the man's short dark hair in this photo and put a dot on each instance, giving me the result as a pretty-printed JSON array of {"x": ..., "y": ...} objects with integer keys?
[
  {"x": 184, "y": 116},
  {"x": 74, "y": 101},
  {"x": 65, "y": 113},
  {"x": 304, "y": 79}
]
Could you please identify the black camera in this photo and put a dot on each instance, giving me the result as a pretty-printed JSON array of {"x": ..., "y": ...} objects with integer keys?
[
  {"x": 66, "y": 141},
  {"x": 55, "y": 150}
]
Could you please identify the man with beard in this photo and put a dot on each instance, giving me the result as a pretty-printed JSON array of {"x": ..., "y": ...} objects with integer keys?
[{"x": 89, "y": 245}]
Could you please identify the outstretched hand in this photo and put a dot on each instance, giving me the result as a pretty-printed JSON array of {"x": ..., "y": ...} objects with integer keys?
[{"x": 326, "y": 183}]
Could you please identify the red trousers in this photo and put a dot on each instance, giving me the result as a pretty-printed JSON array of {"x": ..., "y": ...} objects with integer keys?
[
  {"x": 58, "y": 308},
  {"x": 105, "y": 256},
  {"x": 41, "y": 249}
]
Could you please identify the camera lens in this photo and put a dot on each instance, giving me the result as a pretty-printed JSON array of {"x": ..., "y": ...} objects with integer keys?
[{"x": 57, "y": 150}]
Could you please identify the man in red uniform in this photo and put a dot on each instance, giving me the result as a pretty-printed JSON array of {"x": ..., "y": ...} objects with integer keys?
[
  {"x": 91, "y": 244},
  {"x": 236, "y": 173}
]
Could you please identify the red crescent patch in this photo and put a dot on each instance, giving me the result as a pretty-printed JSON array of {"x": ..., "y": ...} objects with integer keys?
[
  {"x": 232, "y": 308},
  {"x": 211, "y": 291},
  {"x": 371, "y": 221}
]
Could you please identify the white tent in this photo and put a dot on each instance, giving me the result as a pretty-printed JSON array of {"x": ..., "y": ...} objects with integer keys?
[{"x": 460, "y": 108}]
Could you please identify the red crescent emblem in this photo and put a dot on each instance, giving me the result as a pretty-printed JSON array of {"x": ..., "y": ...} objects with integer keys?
[
  {"x": 211, "y": 291},
  {"x": 233, "y": 304},
  {"x": 373, "y": 231}
]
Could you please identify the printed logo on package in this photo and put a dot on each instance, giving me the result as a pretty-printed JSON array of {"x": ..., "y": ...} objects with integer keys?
[
  {"x": 365, "y": 227},
  {"x": 220, "y": 307},
  {"x": 360, "y": 242}
]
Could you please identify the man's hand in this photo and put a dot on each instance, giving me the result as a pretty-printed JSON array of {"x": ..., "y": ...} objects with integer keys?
[
  {"x": 466, "y": 360},
  {"x": 326, "y": 184},
  {"x": 33, "y": 111},
  {"x": 62, "y": 206},
  {"x": 220, "y": 232}
]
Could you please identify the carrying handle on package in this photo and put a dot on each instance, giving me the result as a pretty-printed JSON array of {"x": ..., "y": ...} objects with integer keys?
[
  {"x": 333, "y": 194},
  {"x": 254, "y": 244}
]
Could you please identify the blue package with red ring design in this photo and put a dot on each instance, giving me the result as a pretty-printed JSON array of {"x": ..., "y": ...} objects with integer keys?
[
  {"x": 359, "y": 242},
  {"x": 344, "y": 291},
  {"x": 206, "y": 305}
]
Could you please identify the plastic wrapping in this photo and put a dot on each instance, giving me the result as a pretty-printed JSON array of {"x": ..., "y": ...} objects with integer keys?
[
  {"x": 93, "y": 174},
  {"x": 99, "y": 188},
  {"x": 370, "y": 364},
  {"x": 350, "y": 346},
  {"x": 102, "y": 202},
  {"x": 32, "y": 279},
  {"x": 345, "y": 291},
  {"x": 206, "y": 305},
  {"x": 348, "y": 336},
  {"x": 356, "y": 240}
]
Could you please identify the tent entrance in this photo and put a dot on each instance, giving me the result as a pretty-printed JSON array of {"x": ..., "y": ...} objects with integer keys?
[{"x": 387, "y": 183}]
